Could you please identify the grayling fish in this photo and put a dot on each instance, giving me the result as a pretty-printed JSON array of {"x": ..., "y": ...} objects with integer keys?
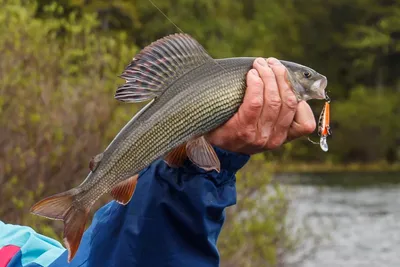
[{"x": 191, "y": 95}]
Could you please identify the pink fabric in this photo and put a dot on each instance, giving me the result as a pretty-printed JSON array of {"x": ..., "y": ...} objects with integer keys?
[{"x": 7, "y": 253}]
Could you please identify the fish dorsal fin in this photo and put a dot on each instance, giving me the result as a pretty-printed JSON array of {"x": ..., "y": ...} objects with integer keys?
[
  {"x": 158, "y": 65},
  {"x": 95, "y": 161},
  {"x": 123, "y": 192}
]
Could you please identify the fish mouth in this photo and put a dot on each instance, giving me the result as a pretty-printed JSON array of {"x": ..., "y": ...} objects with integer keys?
[{"x": 318, "y": 88}]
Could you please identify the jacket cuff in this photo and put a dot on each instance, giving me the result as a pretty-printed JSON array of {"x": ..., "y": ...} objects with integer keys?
[{"x": 231, "y": 161}]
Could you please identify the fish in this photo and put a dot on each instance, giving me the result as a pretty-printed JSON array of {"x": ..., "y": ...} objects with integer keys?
[{"x": 190, "y": 94}]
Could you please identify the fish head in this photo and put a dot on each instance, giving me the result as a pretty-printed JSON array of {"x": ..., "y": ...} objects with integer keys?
[{"x": 306, "y": 83}]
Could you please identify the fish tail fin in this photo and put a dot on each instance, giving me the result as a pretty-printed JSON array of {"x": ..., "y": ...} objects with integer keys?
[{"x": 65, "y": 207}]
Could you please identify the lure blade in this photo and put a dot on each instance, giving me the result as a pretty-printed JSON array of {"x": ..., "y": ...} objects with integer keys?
[{"x": 323, "y": 144}]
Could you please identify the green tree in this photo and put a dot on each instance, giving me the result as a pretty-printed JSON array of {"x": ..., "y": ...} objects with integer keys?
[
  {"x": 256, "y": 231},
  {"x": 56, "y": 102}
]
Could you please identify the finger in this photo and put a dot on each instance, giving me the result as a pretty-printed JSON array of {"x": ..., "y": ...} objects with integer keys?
[
  {"x": 288, "y": 108},
  {"x": 304, "y": 122},
  {"x": 241, "y": 129},
  {"x": 250, "y": 110},
  {"x": 272, "y": 100}
]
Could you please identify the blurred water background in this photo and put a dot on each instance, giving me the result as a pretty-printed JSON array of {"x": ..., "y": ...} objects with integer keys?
[{"x": 354, "y": 216}]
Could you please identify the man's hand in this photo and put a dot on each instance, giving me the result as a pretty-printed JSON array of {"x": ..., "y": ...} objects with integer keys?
[{"x": 269, "y": 115}]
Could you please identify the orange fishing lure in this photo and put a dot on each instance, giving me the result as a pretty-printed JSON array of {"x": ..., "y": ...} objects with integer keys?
[{"x": 324, "y": 129}]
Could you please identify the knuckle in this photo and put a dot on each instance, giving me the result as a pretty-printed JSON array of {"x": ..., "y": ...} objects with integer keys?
[
  {"x": 275, "y": 102},
  {"x": 260, "y": 142},
  {"x": 246, "y": 135},
  {"x": 291, "y": 101},
  {"x": 258, "y": 83},
  {"x": 263, "y": 70},
  {"x": 274, "y": 143},
  {"x": 268, "y": 72},
  {"x": 268, "y": 75},
  {"x": 256, "y": 103},
  {"x": 279, "y": 70}
]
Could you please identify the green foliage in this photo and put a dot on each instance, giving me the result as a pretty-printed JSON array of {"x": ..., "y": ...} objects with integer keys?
[
  {"x": 256, "y": 232},
  {"x": 362, "y": 135},
  {"x": 57, "y": 77},
  {"x": 354, "y": 44}
]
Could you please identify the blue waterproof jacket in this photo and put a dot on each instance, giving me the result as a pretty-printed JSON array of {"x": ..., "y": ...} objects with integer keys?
[{"x": 173, "y": 220}]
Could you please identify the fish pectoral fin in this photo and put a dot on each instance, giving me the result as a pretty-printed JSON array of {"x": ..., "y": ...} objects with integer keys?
[
  {"x": 123, "y": 192},
  {"x": 176, "y": 157},
  {"x": 64, "y": 207},
  {"x": 201, "y": 153},
  {"x": 158, "y": 65}
]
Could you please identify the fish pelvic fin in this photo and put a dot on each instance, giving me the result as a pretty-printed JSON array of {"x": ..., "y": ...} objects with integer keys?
[
  {"x": 177, "y": 156},
  {"x": 199, "y": 151},
  {"x": 158, "y": 65},
  {"x": 202, "y": 154},
  {"x": 65, "y": 207},
  {"x": 123, "y": 192}
]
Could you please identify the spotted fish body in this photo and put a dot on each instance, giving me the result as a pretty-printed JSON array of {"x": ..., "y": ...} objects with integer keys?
[{"x": 191, "y": 94}]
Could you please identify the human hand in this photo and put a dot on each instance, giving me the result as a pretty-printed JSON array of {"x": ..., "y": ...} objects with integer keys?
[{"x": 269, "y": 116}]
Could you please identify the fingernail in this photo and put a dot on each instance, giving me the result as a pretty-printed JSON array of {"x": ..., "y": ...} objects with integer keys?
[
  {"x": 261, "y": 61},
  {"x": 254, "y": 72},
  {"x": 273, "y": 61}
]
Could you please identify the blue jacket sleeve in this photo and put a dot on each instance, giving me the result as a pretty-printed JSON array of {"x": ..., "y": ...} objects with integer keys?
[{"x": 173, "y": 219}]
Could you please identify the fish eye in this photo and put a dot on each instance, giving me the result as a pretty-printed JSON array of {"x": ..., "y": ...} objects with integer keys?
[{"x": 307, "y": 74}]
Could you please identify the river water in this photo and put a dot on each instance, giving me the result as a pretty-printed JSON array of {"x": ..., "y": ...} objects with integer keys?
[{"x": 353, "y": 220}]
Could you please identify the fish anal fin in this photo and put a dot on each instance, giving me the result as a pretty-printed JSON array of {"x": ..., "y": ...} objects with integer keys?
[
  {"x": 176, "y": 157},
  {"x": 201, "y": 153},
  {"x": 158, "y": 65},
  {"x": 123, "y": 192},
  {"x": 64, "y": 207}
]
